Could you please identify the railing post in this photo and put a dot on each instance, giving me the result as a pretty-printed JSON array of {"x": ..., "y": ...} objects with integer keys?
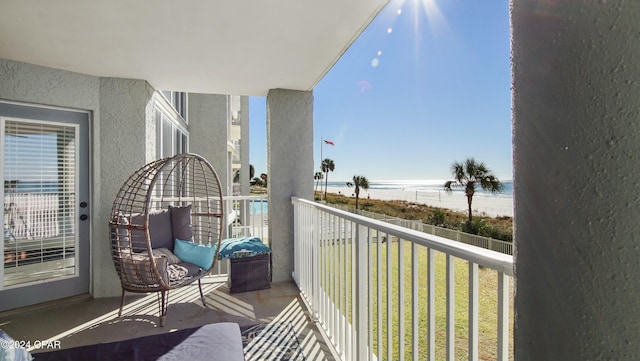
[
  {"x": 299, "y": 252},
  {"x": 450, "y": 309},
  {"x": 431, "y": 303},
  {"x": 314, "y": 229},
  {"x": 415, "y": 312},
  {"x": 361, "y": 301},
  {"x": 503, "y": 317},
  {"x": 401, "y": 297},
  {"x": 297, "y": 244},
  {"x": 473, "y": 311}
]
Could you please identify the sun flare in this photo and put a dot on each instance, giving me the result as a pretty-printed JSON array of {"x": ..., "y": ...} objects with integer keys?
[{"x": 430, "y": 9}]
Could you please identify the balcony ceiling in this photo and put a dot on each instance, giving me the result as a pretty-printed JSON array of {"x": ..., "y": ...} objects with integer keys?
[{"x": 243, "y": 47}]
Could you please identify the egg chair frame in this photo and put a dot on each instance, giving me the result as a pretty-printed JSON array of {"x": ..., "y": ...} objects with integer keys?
[{"x": 178, "y": 197}]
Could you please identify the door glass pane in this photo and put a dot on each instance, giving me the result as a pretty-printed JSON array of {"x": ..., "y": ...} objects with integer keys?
[{"x": 39, "y": 167}]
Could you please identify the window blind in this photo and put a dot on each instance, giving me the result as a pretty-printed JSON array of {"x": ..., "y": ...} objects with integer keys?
[{"x": 39, "y": 170}]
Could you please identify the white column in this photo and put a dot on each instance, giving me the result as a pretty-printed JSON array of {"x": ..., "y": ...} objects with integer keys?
[
  {"x": 290, "y": 169},
  {"x": 208, "y": 118},
  {"x": 576, "y": 104},
  {"x": 244, "y": 150},
  {"x": 126, "y": 143}
]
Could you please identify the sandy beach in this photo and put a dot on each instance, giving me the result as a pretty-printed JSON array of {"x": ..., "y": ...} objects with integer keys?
[{"x": 492, "y": 206}]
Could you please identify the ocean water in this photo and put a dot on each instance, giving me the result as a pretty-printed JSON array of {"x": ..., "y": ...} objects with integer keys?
[
  {"x": 31, "y": 186},
  {"x": 423, "y": 185}
]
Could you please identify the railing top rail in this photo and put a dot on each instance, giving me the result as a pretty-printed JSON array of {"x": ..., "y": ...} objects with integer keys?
[
  {"x": 242, "y": 198},
  {"x": 484, "y": 257}
]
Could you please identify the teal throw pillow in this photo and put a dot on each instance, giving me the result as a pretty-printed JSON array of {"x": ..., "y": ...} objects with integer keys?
[{"x": 198, "y": 254}]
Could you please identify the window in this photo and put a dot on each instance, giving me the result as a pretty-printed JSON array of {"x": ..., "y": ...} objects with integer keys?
[
  {"x": 40, "y": 184},
  {"x": 171, "y": 131},
  {"x": 178, "y": 101},
  {"x": 171, "y": 127}
]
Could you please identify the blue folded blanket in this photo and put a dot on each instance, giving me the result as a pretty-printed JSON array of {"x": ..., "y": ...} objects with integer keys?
[{"x": 242, "y": 247}]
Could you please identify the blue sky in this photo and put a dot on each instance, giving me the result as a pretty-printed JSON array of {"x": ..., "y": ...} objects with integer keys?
[{"x": 426, "y": 84}]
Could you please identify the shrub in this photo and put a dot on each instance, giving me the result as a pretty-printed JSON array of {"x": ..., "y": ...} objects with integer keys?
[
  {"x": 437, "y": 218},
  {"x": 472, "y": 227},
  {"x": 498, "y": 228},
  {"x": 366, "y": 205},
  {"x": 495, "y": 233},
  {"x": 482, "y": 228}
]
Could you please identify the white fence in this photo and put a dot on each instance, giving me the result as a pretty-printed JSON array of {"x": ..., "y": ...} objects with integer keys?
[
  {"x": 375, "y": 288},
  {"x": 479, "y": 241}
]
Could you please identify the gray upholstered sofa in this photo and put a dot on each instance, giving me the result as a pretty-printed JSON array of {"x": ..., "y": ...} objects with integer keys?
[{"x": 212, "y": 342}]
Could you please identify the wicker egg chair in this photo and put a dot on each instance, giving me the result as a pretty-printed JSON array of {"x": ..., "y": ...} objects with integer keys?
[{"x": 171, "y": 202}]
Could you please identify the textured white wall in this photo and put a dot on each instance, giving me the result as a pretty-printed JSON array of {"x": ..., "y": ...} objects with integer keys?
[
  {"x": 122, "y": 139},
  {"x": 36, "y": 84},
  {"x": 22, "y": 82},
  {"x": 290, "y": 169},
  {"x": 576, "y": 106},
  {"x": 127, "y": 142},
  {"x": 207, "y": 114}
]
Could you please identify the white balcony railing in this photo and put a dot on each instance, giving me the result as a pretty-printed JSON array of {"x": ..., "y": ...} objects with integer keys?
[
  {"x": 384, "y": 292},
  {"x": 246, "y": 216}
]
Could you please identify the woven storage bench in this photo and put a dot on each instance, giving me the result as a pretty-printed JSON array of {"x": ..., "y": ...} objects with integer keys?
[{"x": 250, "y": 273}]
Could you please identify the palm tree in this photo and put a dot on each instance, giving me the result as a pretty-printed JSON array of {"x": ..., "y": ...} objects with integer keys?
[
  {"x": 318, "y": 177},
  {"x": 359, "y": 181},
  {"x": 236, "y": 176},
  {"x": 258, "y": 181},
  {"x": 469, "y": 174},
  {"x": 327, "y": 165}
]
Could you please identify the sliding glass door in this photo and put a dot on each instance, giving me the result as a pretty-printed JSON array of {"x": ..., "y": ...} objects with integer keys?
[{"x": 45, "y": 203}]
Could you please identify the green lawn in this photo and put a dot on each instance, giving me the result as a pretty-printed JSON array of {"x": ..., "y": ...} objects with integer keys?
[{"x": 487, "y": 324}]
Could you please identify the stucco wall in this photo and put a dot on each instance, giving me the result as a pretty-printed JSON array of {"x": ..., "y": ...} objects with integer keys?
[
  {"x": 207, "y": 114},
  {"x": 36, "y": 84},
  {"x": 127, "y": 142},
  {"x": 22, "y": 82},
  {"x": 290, "y": 169},
  {"x": 576, "y": 169},
  {"x": 122, "y": 131}
]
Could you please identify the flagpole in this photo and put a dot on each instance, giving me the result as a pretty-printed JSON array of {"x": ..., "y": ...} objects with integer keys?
[{"x": 321, "y": 143}]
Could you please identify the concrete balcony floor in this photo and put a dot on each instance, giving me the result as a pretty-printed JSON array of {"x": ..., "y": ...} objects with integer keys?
[{"x": 87, "y": 321}]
